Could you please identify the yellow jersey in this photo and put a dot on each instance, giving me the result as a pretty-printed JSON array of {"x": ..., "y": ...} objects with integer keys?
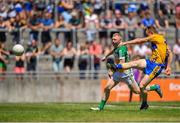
[{"x": 159, "y": 48}]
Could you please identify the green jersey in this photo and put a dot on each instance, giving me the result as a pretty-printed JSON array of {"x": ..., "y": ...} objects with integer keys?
[{"x": 121, "y": 53}]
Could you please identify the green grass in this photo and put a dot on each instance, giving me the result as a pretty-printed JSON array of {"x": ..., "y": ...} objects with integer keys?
[{"x": 158, "y": 111}]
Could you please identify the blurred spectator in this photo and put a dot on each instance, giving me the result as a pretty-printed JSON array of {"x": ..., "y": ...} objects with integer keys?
[
  {"x": 60, "y": 23},
  {"x": 31, "y": 57},
  {"x": 47, "y": 25},
  {"x": 2, "y": 33},
  {"x": 83, "y": 60},
  {"x": 95, "y": 50},
  {"x": 75, "y": 21},
  {"x": 176, "y": 51},
  {"x": 106, "y": 23},
  {"x": 148, "y": 20},
  {"x": 162, "y": 21},
  {"x": 56, "y": 52},
  {"x": 18, "y": 24},
  {"x": 69, "y": 56},
  {"x": 63, "y": 7},
  {"x": 91, "y": 25},
  {"x": 131, "y": 21},
  {"x": 177, "y": 16},
  {"x": 118, "y": 22},
  {"x": 98, "y": 6},
  {"x": 4, "y": 55},
  {"x": 141, "y": 50},
  {"x": 19, "y": 66},
  {"x": 34, "y": 25}
]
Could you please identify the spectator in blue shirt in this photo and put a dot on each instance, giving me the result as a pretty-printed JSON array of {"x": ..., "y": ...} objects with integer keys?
[
  {"x": 148, "y": 20},
  {"x": 47, "y": 24}
]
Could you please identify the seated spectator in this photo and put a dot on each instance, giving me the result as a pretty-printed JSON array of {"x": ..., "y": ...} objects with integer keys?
[
  {"x": 148, "y": 20},
  {"x": 91, "y": 25},
  {"x": 31, "y": 57},
  {"x": 162, "y": 21},
  {"x": 4, "y": 55},
  {"x": 19, "y": 66},
  {"x": 83, "y": 61},
  {"x": 106, "y": 24},
  {"x": 47, "y": 25},
  {"x": 69, "y": 53},
  {"x": 176, "y": 51},
  {"x": 56, "y": 52},
  {"x": 95, "y": 50},
  {"x": 118, "y": 22}
]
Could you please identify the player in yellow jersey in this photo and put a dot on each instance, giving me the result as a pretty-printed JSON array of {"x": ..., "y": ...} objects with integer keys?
[{"x": 160, "y": 59}]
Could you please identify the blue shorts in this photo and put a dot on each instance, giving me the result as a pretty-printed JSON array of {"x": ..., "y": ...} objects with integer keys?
[{"x": 153, "y": 69}]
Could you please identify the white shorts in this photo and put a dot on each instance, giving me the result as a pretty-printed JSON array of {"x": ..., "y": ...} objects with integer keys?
[{"x": 123, "y": 77}]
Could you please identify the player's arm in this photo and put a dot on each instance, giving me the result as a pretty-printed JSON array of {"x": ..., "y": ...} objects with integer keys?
[
  {"x": 110, "y": 53},
  {"x": 136, "y": 41},
  {"x": 170, "y": 58}
]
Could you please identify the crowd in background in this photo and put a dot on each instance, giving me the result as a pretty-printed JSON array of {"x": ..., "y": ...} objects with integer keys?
[{"x": 90, "y": 15}]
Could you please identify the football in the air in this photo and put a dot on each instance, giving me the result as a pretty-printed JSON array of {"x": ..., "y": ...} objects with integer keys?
[{"x": 18, "y": 49}]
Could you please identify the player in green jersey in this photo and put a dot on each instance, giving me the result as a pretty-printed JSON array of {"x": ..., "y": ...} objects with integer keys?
[{"x": 116, "y": 76}]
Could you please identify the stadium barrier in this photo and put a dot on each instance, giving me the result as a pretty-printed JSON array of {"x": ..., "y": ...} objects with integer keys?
[{"x": 169, "y": 86}]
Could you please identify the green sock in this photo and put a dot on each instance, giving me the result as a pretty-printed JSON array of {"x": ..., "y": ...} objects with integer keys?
[
  {"x": 102, "y": 104},
  {"x": 153, "y": 87}
]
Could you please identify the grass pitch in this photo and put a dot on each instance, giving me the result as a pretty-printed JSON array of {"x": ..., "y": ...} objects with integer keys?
[{"x": 80, "y": 112}]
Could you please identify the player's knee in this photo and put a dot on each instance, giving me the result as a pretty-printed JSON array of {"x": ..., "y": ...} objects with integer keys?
[
  {"x": 142, "y": 85},
  {"x": 107, "y": 89}
]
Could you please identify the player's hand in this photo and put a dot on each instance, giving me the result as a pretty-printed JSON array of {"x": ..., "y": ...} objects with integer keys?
[
  {"x": 168, "y": 71},
  {"x": 103, "y": 59}
]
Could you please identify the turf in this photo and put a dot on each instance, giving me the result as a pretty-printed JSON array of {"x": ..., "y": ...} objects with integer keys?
[{"x": 39, "y": 112}]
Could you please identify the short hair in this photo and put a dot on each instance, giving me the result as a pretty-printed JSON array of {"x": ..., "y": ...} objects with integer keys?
[
  {"x": 116, "y": 34},
  {"x": 151, "y": 28}
]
